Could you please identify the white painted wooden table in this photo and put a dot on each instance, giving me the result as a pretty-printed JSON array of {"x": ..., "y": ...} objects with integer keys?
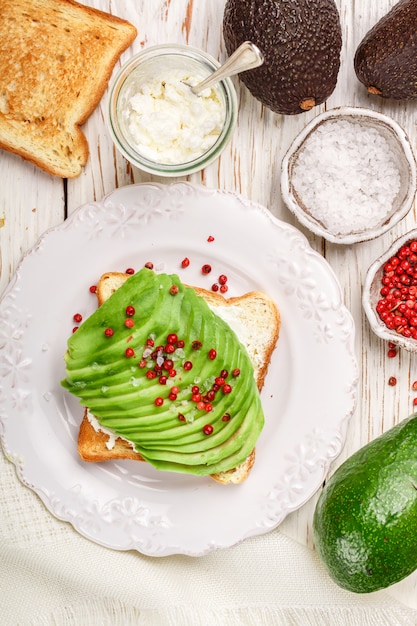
[{"x": 32, "y": 201}]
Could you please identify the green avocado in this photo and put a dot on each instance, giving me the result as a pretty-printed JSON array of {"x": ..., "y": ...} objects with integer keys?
[
  {"x": 301, "y": 42},
  {"x": 386, "y": 59},
  {"x": 140, "y": 380},
  {"x": 365, "y": 521}
]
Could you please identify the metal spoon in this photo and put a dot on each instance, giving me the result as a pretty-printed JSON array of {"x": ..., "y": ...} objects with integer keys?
[{"x": 245, "y": 57}]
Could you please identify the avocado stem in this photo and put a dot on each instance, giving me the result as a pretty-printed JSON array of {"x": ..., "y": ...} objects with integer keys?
[
  {"x": 307, "y": 104},
  {"x": 374, "y": 91}
]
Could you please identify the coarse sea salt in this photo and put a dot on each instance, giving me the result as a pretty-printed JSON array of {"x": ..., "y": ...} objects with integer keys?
[{"x": 346, "y": 176}]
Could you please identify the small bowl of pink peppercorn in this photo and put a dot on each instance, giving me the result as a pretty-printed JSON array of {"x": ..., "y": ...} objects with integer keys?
[{"x": 390, "y": 293}]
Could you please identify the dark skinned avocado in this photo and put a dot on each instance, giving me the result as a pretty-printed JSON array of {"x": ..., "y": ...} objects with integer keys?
[
  {"x": 365, "y": 522},
  {"x": 301, "y": 42},
  {"x": 386, "y": 59}
]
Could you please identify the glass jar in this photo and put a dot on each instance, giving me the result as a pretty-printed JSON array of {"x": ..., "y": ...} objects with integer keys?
[{"x": 156, "y": 121}]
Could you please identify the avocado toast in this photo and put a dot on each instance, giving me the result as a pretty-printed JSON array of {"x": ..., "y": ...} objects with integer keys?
[{"x": 169, "y": 378}]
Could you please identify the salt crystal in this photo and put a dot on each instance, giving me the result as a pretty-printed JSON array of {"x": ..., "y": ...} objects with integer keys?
[{"x": 346, "y": 176}]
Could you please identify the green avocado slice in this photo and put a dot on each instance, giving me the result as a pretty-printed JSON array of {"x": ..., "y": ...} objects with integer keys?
[{"x": 175, "y": 344}]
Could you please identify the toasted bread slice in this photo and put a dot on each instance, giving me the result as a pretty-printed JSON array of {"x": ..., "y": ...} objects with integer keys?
[
  {"x": 255, "y": 319},
  {"x": 95, "y": 445},
  {"x": 57, "y": 58}
]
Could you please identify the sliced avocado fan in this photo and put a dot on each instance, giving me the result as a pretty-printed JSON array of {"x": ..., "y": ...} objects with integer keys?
[{"x": 157, "y": 366}]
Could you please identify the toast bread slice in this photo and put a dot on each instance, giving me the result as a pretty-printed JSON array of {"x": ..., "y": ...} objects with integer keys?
[
  {"x": 255, "y": 319},
  {"x": 57, "y": 58}
]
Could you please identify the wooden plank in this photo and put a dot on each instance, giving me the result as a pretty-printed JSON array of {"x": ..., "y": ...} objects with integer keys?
[{"x": 31, "y": 201}]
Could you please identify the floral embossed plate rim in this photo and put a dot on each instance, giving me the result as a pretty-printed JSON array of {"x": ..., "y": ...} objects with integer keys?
[{"x": 129, "y": 505}]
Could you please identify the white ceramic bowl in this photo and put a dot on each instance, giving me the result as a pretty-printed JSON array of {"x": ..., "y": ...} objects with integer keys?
[
  {"x": 401, "y": 154},
  {"x": 147, "y": 71},
  {"x": 371, "y": 295}
]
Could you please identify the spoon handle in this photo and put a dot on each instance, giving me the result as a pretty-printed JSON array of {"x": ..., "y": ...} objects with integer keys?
[{"x": 245, "y": 57}]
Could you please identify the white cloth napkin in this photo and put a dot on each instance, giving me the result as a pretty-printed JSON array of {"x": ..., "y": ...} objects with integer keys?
[{"x": 50, "y": 575}]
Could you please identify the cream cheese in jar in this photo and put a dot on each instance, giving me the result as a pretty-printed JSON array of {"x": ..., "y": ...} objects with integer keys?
[{"x": 168, "y": 123}]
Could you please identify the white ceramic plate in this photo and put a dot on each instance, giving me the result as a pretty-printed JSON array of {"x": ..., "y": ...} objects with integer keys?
[{"x": 308, "y": 398}]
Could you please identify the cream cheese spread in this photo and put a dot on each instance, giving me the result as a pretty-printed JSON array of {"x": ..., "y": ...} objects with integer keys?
[
  {"x": 111, "y": 442},
  {"x": 171, "y": 125}
]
